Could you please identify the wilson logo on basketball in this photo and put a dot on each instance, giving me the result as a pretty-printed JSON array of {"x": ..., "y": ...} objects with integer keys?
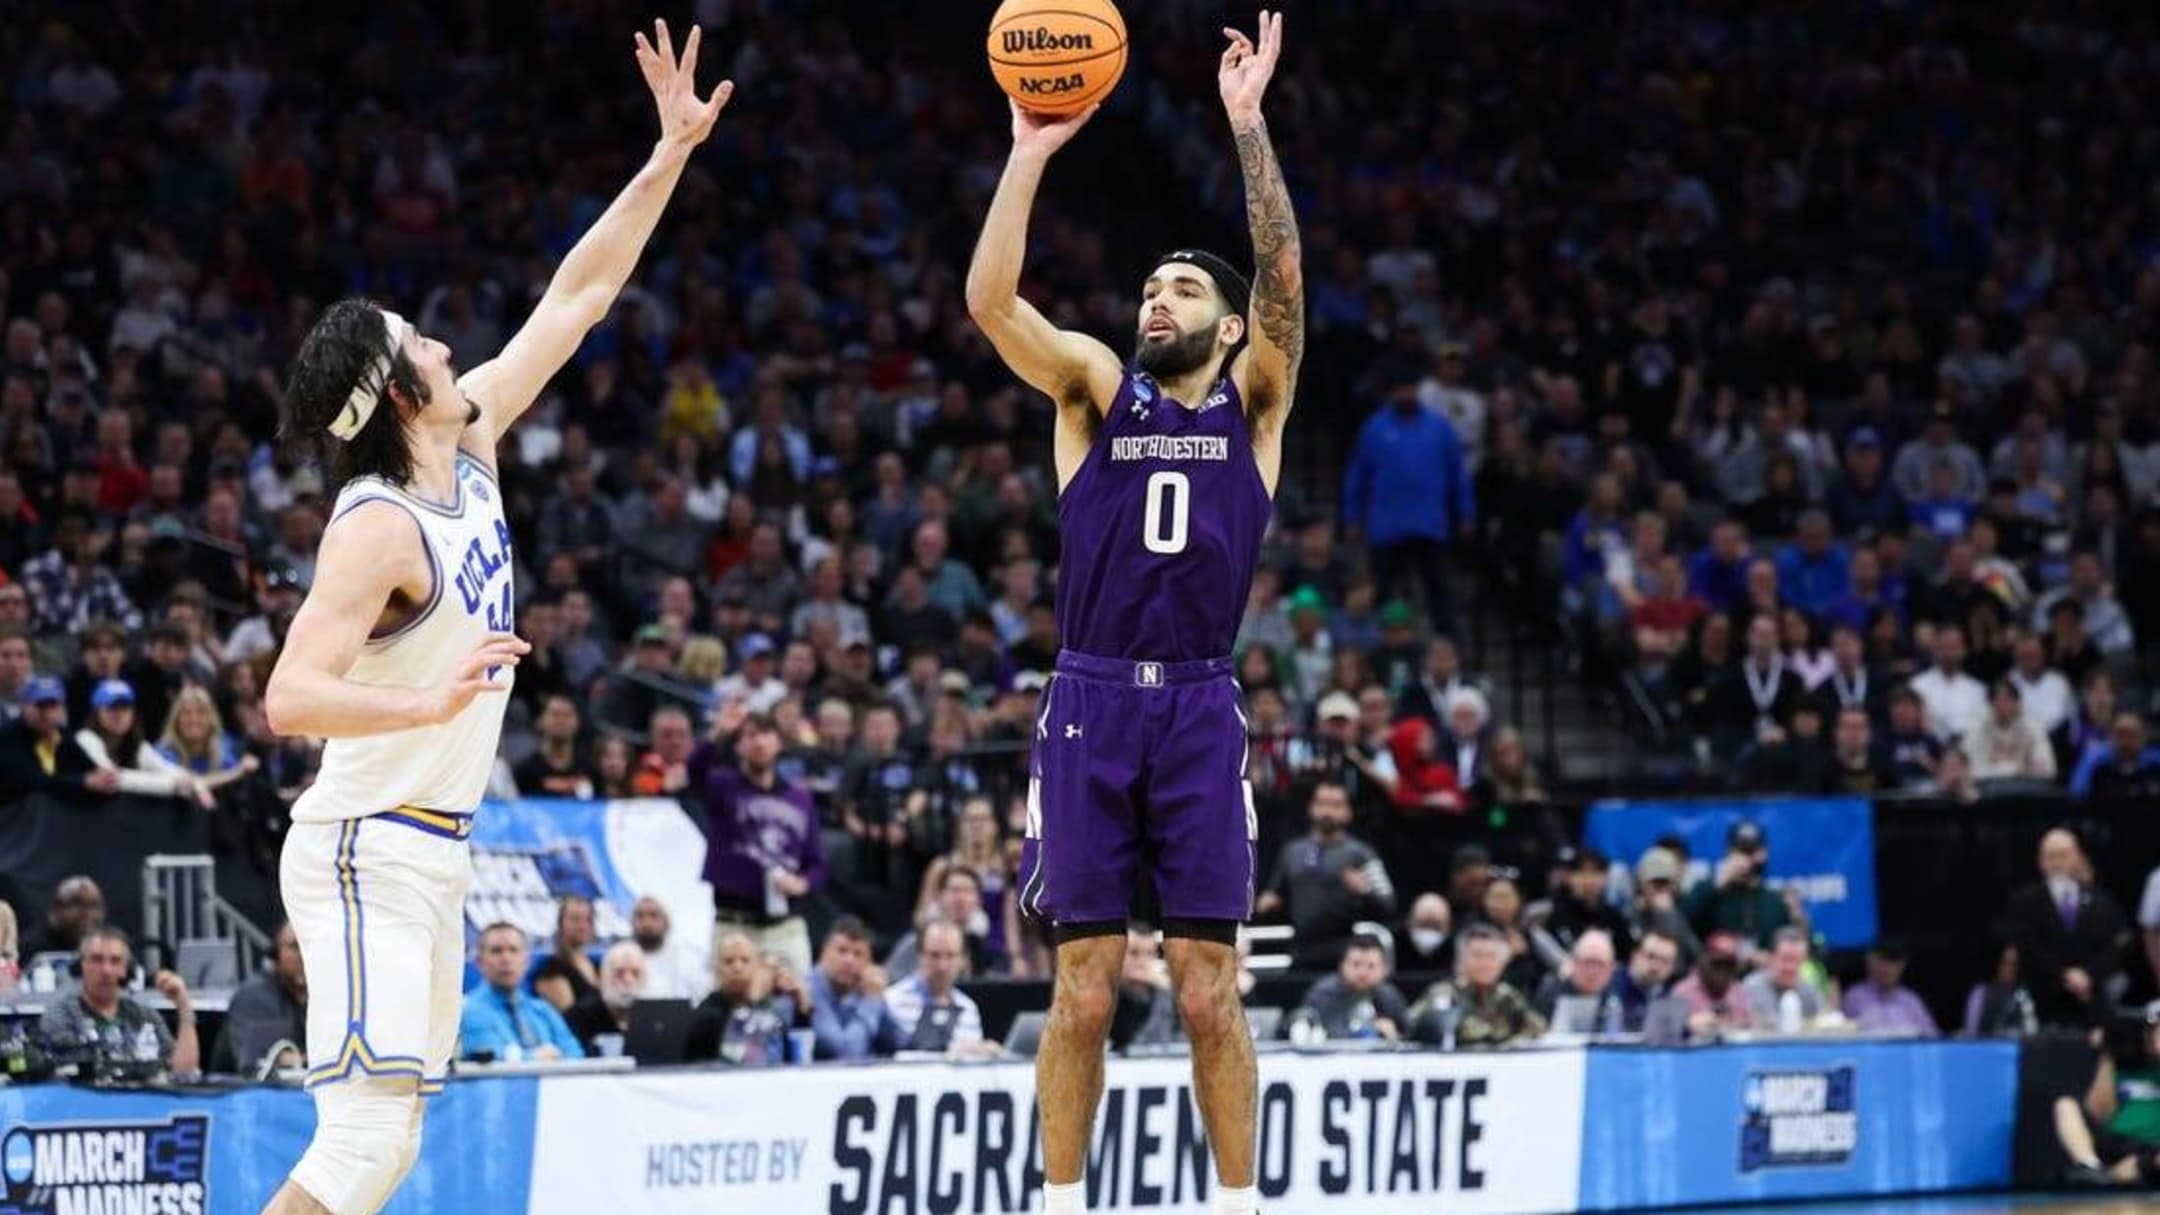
[{"x": 1019, "y": 42}]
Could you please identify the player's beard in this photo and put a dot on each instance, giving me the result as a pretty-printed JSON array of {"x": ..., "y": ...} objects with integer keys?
[{"x": 1181, "y": 355}]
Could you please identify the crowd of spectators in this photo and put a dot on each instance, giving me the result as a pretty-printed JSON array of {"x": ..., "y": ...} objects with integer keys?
[{"x": 1800, "y": 365}]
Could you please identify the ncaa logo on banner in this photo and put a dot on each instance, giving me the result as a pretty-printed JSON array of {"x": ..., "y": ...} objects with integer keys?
[
  {"x": 65, "y": 1168},
  {"x": 1806, "y": 1117}
]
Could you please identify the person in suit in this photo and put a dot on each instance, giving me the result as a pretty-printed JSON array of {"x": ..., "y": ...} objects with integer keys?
[
  {"x": 1852, "y": 683},
  {"x": 2069, "y": 935},
  {"x": 1758, "y": 695}
]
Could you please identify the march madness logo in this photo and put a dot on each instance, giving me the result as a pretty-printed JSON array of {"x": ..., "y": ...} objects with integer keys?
[
  {"x": 1802, "y": 1117},
  {"x": 101, "y": 1168}
]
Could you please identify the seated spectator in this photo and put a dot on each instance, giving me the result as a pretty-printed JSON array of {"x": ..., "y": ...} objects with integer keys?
[
  {"x": 267, "y": 1015},
  {"x": 567, "y": 976},
  {"x": 104, "y": 1028},
  {"x": 1327, "y": 882},
  {"x": 2111, "y": 1133},
  {"x": 558, "y": 767},
  {"x": 2125, "y": 768},
  {"x": 929, "y": 1009},
  {"x": 1942, "y": 511},
  {"x": 1479, "y": 1008},
  {"x": 979, "y": 849},
  {"x": 2070, "y": 648},
  {"x": 1589, "y": 977},
  {"x": 1424, "y": 783},
  {"x": 672, "y": 971},
  {"x": 664, "y": 770},
  {"x": 1737, "y": 899},
  {"x": 753, "y": 1005},
  {"x": 196, "y": 742},
  {"x": 1954, "y": 780},
  {"x": 1813, "y": 571},
  {"x": 607, "y": 1011},
  {"x": 2069, "y": 936},
  {"x": 847, "y": 997},
  {"x": 1850, "y": 683},
  {"x": 1955, "y": 702},
  {"x": 2000, "y": 1006},
  {"x": 2006, "y": 745},
  {"x": 76, "y": 909},
  {"x": 501, "y": 1019},
  {"x": 1146, "y": 1013},
  {"x": 1855, "y": 766},
  {"x": 1657, "y": 906},
  {"x": 112, "y": 740},
  {"x": 1581, "y": 905},
  {"x": 1357, "y": 1001},
  {"x": 39, "y": 755},
  {"x": 2101, "y": 616},
  {"x": 1510, "y": 779},
  {"x": 960, "y": 904},
  {"x": 1912, "y": 750},
  {"x": 1647, "y": 978},
  {"x": 1785, "y": 758},
  {"x": 1782, "y": 993},
  {"x": 2045, "y": 697},
  {"x": 1883, "y": 1004},
  {"x": 1662, "y": 618},
  {"x": 1463, "y": 748},
  {"x": 1422, "y": 945},
  {"x": 1759, "y": 693},
  {"x": 1531, "y": 950},
  {"x": 1712, "y": 993},
  {"x": 1441, "y": 677}
]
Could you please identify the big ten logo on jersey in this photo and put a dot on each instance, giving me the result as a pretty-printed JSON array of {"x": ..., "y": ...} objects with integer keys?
[
  {"x": 481, "y": 564},
  {"x": 526, "y": 886}
]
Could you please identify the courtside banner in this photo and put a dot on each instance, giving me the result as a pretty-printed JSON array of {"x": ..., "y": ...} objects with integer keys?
[
  {"x": 1796, "y": 1120},
  {"x": 1377, "y": 1134},
  {"x": 70, "y": 1151},
  {"x": 1824, "y": 847},
  {"x": 528, "y": 854}
]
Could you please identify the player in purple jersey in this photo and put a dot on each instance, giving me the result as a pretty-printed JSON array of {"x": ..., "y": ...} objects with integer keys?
[{"x": 1166, "y": 470}]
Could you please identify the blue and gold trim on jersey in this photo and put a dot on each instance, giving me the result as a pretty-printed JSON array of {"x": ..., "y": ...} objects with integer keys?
[{"x": 354, "y": 1056}]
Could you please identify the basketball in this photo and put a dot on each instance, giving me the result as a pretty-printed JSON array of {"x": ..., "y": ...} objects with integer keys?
[{"x": 1057, "y": 57}]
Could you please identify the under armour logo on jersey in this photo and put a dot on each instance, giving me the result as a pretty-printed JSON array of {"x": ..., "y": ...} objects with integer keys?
[
  {"x": 1147, "y": 674},
  {"x": 1072, "y": 731}
]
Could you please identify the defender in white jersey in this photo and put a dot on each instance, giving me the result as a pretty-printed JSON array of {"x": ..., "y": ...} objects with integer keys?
[{"x": 399, "y": 657}]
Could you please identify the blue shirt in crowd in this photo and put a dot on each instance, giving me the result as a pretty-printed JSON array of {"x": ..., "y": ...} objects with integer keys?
[
  {"x": 494, "y": 1021},
  {"x": 1407, "y": 480},
  {"x": 853, "y": 1026}
]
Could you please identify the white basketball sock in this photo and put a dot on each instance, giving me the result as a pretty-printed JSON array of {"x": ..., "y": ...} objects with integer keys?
[
  {"x": 1237, "y": 1200},
  {"x": 1064, "y": 1199}
]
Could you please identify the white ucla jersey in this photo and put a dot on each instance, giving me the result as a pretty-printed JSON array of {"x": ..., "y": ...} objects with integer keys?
[{"x": 442, "y": 767}]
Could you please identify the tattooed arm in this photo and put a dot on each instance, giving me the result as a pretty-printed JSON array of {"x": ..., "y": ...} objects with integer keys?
[{"x": 1267, "y": 372}]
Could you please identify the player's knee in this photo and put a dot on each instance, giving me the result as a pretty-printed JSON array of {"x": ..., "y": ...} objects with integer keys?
[
  {"x": 1207, "y": 1010},
  {"x": 366, "y": 1138},
  {"x": 1087, "y": 1008}
]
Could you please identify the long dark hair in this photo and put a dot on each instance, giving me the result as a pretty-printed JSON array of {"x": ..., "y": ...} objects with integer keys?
[{"x": 338, "y": 351}]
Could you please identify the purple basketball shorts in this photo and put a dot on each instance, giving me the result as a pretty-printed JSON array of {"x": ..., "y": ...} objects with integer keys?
[{"x": 1138, "y": 764}]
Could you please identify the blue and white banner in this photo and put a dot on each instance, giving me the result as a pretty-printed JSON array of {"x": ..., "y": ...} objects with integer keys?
[
  {"x": 1822, "y": 847},
  {"x": 66, "y": 1150},
  {"x": 1796, "y": 1120},
  {"x": 529, "y": 853}
]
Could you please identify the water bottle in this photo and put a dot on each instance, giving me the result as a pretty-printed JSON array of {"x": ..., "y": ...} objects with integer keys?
[
  {"x": 1361, "y": 1020},
  {"x": 1788, "y": 1013},
  {"x": 1611, "y": 1024}
]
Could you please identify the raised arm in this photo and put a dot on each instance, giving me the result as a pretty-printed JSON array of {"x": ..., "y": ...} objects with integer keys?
[
  {"x": 1267, "y": 371},
  {"x": 366, "y": 557},
  {"x": 594, "y": 271},
  {"x": 1070, "y": 368}
]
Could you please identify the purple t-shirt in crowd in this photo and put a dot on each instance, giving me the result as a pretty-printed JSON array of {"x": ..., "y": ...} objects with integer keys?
[{"x": 751, "y": 830}]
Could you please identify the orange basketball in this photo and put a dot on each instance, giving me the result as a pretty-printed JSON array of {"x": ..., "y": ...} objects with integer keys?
[{"x": 1057, "y": 56}]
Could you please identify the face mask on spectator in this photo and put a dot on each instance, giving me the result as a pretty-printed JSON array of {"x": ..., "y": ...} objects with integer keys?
[{"x": 1425, "y": 940}]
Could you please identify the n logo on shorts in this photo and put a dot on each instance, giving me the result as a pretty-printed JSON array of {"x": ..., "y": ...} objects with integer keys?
[{"x": 1147, "y": 674}]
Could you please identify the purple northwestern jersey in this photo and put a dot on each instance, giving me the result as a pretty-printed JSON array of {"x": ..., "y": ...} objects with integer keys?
[{"x": 1162, "y": 527}]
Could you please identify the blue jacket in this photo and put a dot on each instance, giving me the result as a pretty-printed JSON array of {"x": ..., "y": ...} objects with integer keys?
[
  {"x": 1813, "y": 584},
  {"x": 2096, "y": 758},
  {"x": 1407, "y": 480},
  {"x": 488, "y": 1026}
]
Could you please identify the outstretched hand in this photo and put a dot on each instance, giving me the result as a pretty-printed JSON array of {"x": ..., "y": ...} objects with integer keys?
[
  {"x": 1043, "y": 134},
  {"x": 1246, "y": 68},
  {"x": 683, "y": 118}
]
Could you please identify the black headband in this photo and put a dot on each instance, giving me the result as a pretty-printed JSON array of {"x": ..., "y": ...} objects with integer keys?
[{"x": 1236, "y": 290}]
